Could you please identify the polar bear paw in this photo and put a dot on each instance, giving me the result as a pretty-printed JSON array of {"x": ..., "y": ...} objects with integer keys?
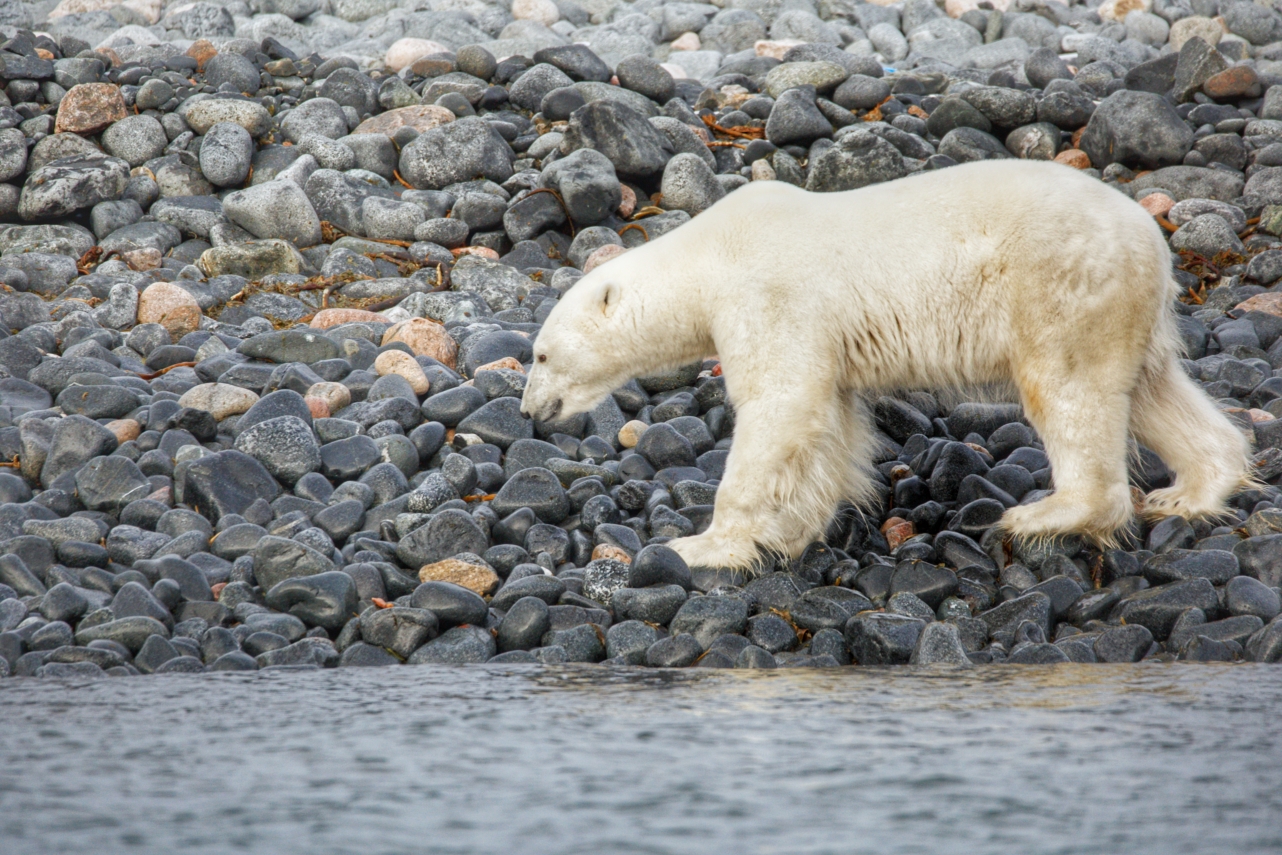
[
  {"x": 1059, "y": 515},
  {"x": 1174, "y": 502},
  {"x": 716, "y": 551}
]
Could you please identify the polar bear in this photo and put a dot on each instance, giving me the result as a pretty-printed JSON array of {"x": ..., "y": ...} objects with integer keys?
[{"x": 1023, "y": 273}]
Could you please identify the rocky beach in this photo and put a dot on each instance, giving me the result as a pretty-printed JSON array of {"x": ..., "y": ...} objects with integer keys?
[{"x": 270, "y": 274}]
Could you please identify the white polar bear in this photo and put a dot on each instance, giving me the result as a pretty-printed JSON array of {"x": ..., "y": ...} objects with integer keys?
[{"x": 1017, "y": 272}]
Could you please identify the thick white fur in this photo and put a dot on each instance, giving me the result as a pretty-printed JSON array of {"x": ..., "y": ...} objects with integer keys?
[{"x": 1016, "y": 272}]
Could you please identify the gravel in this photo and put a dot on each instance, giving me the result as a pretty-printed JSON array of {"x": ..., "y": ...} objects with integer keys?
[{"x": 213, "y": 469}]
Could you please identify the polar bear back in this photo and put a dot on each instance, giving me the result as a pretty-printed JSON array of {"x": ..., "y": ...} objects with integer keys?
[{"x": 943, "y": 278}]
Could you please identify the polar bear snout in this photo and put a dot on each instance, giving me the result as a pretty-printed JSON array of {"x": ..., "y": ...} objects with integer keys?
[
  {"x": 545, "y": 412},
  {"x": 535, "y": 403}
]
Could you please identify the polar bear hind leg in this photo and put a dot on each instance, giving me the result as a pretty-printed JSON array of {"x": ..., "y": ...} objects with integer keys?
[
  {"x": 1082, "y": 419},
  {"x": 1209, "y": 456}
]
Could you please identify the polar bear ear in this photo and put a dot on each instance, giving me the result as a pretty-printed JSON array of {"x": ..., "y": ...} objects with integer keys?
[{"x": 610, "y": 296}]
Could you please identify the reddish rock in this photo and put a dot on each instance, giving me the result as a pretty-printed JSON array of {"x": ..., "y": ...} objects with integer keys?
[
  {"x": 506, "y": 362},
  {"x": 601, "y": 255},
  {"x": 202, "y": 50},
  {"x": 1075, "y": 158},
  {"x": 421, "y": 117},
  {"x": 482, "y": 251},
  {"x": 124, "y": 429},
  {"x": 317, "y": 407},
  {"x": 170, "y": 306},
  {"x": 326, "y": 318},
  {"x": 1235, "y": 82},
  {"x": 628, "y": 201},
  {"x": 335, "y": 395},
  {"x": 1269, "y": 303},
  {"x": 146, "y": 258},
  {"x": 605, "y": 550},
  {"x": 897, "y": 530},
  {"x": 425, "y": 338},
  {"x": 88, "y": 108},
  {"x": 1157, "y": 204}
]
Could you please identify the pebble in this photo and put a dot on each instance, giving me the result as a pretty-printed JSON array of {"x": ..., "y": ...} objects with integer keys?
[
  {"x": 171, "y": 306},
  {"x": 424, "y": 338},
  {"x": 477, "y": 578},
  {"x": 402, "y": 365}
]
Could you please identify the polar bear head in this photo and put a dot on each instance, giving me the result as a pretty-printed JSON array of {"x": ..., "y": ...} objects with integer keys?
[
  {"x": 636, "y": 314},
  {"x": 575, "y": 361}
]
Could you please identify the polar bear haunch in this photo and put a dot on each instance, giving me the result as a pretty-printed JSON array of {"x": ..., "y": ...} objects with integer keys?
[{"x": 1015, "y": 272}]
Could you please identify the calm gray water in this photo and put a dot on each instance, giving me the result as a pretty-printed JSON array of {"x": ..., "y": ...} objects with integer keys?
[{"x": 1064, "y": 759}]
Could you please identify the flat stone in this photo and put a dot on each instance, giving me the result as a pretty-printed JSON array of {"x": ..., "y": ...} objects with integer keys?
[
  {"x": 70, "y": 184},
  {"x": 252, "y": 260},
  {"x": 477, "y": 578},
  {"x": 421, "y": 117},
  {"x": 219, "y": 399}
]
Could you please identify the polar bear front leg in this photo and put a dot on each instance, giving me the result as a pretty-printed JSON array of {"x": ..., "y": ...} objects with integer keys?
[{"x": 793, "y": 460}]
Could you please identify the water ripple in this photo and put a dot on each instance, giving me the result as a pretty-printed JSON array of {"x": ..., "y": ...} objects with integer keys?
[{"x": 1058, "y": 760}]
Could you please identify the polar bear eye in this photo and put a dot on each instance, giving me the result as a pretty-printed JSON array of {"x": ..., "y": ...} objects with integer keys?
[{"x": 543, "y": 357}]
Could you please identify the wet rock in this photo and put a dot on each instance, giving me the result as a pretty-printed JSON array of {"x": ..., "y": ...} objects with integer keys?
[
  {"x": 326, "y": 600},
  {"x": 460, "y": 645},
  {"x": 398, "y": 630},
  {"x": 879, "y": 638}
]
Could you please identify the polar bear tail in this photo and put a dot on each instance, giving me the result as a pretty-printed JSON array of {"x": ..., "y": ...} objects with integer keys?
[{"x": 1172, "y": 416}]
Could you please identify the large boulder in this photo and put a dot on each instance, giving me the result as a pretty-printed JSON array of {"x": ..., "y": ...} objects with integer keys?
[
  {"x": 1137, "y": 129},
  {"x": 72, "y": 184},
  {"x": 858, "y": 159},
  {"x": 460, "y": 151},
  {"x": 635, "y": 147}
]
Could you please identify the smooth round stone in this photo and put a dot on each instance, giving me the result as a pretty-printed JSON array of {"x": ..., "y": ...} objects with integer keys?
[
  {"x": 547, "y": 588},
  {"x": 476, "y": 578},
  {"x": 452, "y": 604},
  {"x": 536, "y": 489},
  {"x": 225, "y": 154},
  {"x": 664, "y": 447},
  {"x": 365, "y": 655},
  {"x": 524, "y": 625},
  {"x": 675, "y": 651},
  {"x": 399, "y": 630},
  {"x": 172, "y": 307},
  {"x": 658, "y": 565},
  {"x": 326, "y": 600},
  {"x": 1245, "y": 595},
  {"x": 233, "y": 69},
  {"x": 285, "y": 446},
  {"x": 236, "y": 660},
  {"x": 658, "y": 604},
  {"x": 460, "y": 645},
  {"x": 630, "y": 433},
  {"x": 135, "y": 139},
  {"x": 602, "y": 577},
  {"x": 499, "y": 422}
]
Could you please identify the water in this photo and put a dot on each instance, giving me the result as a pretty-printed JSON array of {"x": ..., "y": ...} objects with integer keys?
[{"x": 1065, "y": 759}]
